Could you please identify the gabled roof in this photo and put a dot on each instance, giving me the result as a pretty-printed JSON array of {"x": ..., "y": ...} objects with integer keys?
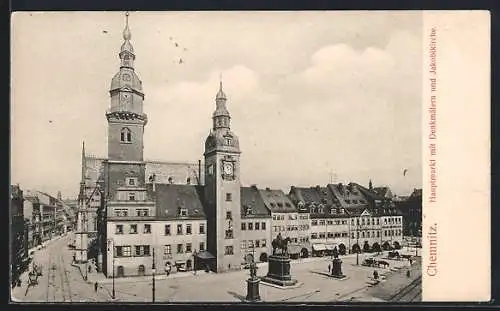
[
  {"x": 170, "y": 198},
  {"x": 251, "y": 201},
  {"x": 320, "y": 202},
  {"x": 349, "y": 196},
  {"x": 276, "y": 201}
]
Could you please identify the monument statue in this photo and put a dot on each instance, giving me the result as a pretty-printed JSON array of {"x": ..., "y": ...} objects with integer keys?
[
  {"x": 280, "y": 244},
  {"x": 279, "y": 264}
]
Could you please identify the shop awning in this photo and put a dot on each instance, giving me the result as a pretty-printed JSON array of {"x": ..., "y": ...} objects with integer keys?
[
  {"x": 330, "y": 247},
  {"x": 294, "y": 249},
  {"x": 319, "y": 247},
  {"x": 205, "y": 255}
]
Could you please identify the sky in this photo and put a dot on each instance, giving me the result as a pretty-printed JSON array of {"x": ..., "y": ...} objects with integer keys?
[{"x": 315, "y": 97}]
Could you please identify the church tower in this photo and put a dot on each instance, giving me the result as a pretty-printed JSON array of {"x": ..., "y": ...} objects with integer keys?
[
  {"x": 126, "y": 198},
  {"x": 222, "y": 189},
  {"x": 126, "y": 119}
]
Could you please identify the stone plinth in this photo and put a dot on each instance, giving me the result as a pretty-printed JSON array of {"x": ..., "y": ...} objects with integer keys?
[
  {"x": 279, "y": 271},
  {"x": 253, "y": 289},
  {"x": 337, "y": 269}
]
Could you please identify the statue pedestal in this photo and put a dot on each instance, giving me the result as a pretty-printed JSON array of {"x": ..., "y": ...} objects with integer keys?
[
  {"x": 337, "y": 269},
  {"x": 253, "y": 290},
  {"x": 279, "y": 271}
]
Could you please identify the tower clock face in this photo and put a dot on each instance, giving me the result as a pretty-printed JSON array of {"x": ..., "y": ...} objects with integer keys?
[
  {"x": 126, "y": 77},
  {"x": 228, "y": 168}
]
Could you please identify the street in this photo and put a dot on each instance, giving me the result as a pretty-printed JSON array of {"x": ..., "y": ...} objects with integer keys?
[{"x": 62, "y": 282}]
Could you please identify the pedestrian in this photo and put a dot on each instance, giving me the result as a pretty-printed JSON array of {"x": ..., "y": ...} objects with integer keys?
[
  {"x": 411, "y": 262},
  {"x": 96, "y": 286},
  {"x": 375, "y": 275},
  {"x": 90, "y": 269},
  {"x": 408, "y": 274},
  {"x": 74, "y": 258},
  {"x": 329, "y": 268}
]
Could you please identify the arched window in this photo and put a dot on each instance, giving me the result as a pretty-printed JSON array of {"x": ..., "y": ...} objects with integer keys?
[{"x": 125, "y": 135}]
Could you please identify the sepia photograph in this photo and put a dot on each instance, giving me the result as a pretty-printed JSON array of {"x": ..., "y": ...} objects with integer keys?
[{"x": 232, "y": 157}]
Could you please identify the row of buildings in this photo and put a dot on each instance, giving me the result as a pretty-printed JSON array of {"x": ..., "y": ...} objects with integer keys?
[
  {"x": 35, "y": 217},
  {"x": 138, "y": 216}
]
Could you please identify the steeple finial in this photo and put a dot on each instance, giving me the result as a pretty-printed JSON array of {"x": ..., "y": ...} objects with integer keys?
[
  {"x": 126, "y": 32},
  {"x": 220, "y": 94},
  {"x": 84, "y": 166}
]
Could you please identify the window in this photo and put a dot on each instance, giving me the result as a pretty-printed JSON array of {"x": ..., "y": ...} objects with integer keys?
[
  {"x": 133, "y": 229},
  {"x": 322, "y": 235},
  {"x": 168, "y": 250},
  {"x": 250, "y": 226},
  {"x": 142, "y": 212},
  {"x": 188, "y": 248},
  {"x": 147, "y": 228},
  {"x": 322, "y": 222},
  {"x": 263, "y": 243},
  {"x": 263, "y": 226},
  {"x": 314, "y": 222},
  {"x": 142, "y": 250},
  {"x": 167, "y": 229},
  {"x": 131, "y": 196},
  {"x": 202, "y": 246},
  {"x": 229, "y": 215},
  {"x": 357, "y": 235},
  {"x": 229, "y": 197},
  {"x": 119, "y": 229},
  {"x": 352, "y": 222},
  {"x": 243, "y": 244},
  {"x": 125, "y": 135},
  {"x": 330, "y": 234},
  {"x": 229, "y": 250},
  {"x": 131, "y": 181},
  {"x": 243, "y": 226},
  {"x": 228, "y": 141},
  {"x": 180, "y": 248},
  {"x": 257, "y": 226},
  {"x": 202, "y": 228},
  {"x": 188, "y": 229},
  {"x": 183, "y": 212},
  {"x": 363, "y": 234},
  {"x": 229, "y": 234},
  {"x": 179, "y": 229},
  {"x": 352, "y": 235},
  {"x": 118, "y": 251},
  {"x": 257, "y": 243},
  {"x": 121, "y": 212},
  {"x": 314, "y": 236},
  {"x": 127, "y": 251}
]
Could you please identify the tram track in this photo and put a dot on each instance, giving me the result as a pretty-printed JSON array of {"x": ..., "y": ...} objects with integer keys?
[{"x": 408, "y": 293}]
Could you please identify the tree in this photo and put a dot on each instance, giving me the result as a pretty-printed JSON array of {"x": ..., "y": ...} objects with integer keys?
[
  {"x": 376, "y": 247},
  {"x": 366, "y": 247},
  {"x": 342, "y": 249},
  {"x": 397, "y": 245},
  {"x": 386, "y": 246},
  {"x": 356, "y": 248}
]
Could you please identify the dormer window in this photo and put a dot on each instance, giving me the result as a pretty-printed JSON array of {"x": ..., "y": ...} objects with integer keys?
[
  {"x": 280, "y": 204},
  {"x": 131, "y": 181},
  {"x": 228, "y": 141},
  {"x": 131, "y": 196},
  {"x": 125, "y": 135},
  {"x": 287, "y": 204},
  {"x": 183, "y": 212}
]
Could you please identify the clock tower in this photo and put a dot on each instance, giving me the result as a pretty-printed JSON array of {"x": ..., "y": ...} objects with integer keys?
[
  {"x": 222, "y": 189},
  {"x": 126, "y": 119}
]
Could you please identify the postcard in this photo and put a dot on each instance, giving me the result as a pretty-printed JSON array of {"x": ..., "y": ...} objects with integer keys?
[{"x": 250, "y": 157}]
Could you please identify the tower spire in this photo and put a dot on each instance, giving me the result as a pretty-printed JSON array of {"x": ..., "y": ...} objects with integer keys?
[
  {"x": 127, "y": 35},
  {"x": 84, "y": 164}
]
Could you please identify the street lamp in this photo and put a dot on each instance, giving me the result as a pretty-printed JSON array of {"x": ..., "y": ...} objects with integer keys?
[
  {"x": 112, "y": 247},
  {"x": 357, "y": 242},
  {"x": 154, "y": 271}
]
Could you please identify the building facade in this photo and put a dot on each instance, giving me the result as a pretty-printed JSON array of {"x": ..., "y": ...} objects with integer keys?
[
  {"x": 285, "y": 220},
  {"x": 256, "y": 224},
  {"x": 18, "y": 247}
]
